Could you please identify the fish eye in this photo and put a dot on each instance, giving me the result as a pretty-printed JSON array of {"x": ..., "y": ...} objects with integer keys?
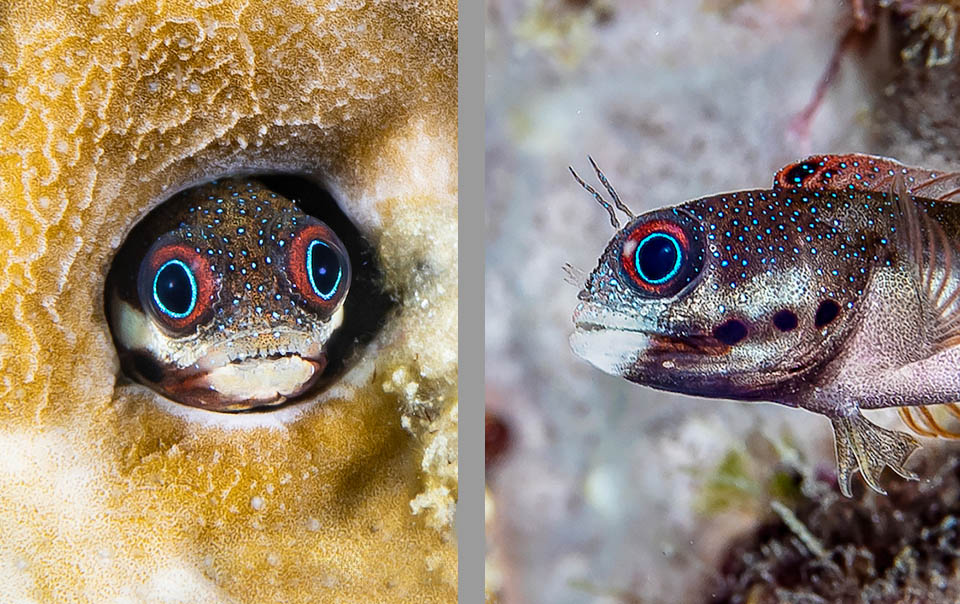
[
  {"x": 175, "y": 289},
  {"x": 319, "y": 266},
  {"x": 659, "y": 256},
  {"x": 177, "y": 286},
  {"x": 324, "y": 269}
]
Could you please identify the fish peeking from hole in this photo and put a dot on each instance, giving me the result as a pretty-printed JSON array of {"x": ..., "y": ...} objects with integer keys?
[
  {"x": 836, "y": 290},
  {"x": 231, "y": 299}
]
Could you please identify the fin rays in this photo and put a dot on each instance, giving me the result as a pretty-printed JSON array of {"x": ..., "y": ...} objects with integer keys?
[
  {"x": 937, "y": 186},
  {"x": 934, "y": 259},
  {"x": 865, "y": 446},
  {"x": 931, "y": 426},
  {"x": 911, "y": 423}
]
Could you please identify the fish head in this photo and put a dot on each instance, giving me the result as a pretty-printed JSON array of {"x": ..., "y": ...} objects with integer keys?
[
  {"x": 731, "y": 296},
  {"x": 231, "y": 310}
]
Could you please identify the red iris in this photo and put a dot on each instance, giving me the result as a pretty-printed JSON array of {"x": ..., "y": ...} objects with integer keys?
[
  {"x": 319, "y": 267},
  {"x": 178, "y": 285},
  {"x": 653, "y": 255}
]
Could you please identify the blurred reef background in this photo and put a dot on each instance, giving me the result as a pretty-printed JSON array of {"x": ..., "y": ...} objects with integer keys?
[{"x": 602, "y": 491}]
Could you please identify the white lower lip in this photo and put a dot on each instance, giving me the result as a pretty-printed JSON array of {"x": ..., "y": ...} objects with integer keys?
[
  {"x": 612, "y": 351},
  {"x": 261, "y": 379}
]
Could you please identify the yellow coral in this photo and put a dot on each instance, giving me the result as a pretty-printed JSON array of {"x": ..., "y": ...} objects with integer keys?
[{"x": 108, "y": 493}]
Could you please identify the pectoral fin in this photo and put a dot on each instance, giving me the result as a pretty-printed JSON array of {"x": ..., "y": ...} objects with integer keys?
[
  {"x": 865, "y": 446},
  {"x": 935, "y": 257}
]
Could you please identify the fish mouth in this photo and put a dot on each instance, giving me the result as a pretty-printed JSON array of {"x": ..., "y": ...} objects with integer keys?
[
  {"x": 244, "y": 383},
  {"x": 609, "y": 341},
  {"x": 247, "y": 383},
  {"x": 635, "y": 349},
  {"x": 254, "y": 345},
  {"x": 249, "y": 371},
  {"x": 688, "y": 363}
]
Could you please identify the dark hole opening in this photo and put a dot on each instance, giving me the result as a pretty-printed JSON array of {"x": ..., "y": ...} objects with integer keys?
[{"x": 366, "y": 307}]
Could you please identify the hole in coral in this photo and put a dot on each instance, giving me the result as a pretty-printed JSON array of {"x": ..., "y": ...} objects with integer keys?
[{"x": 251, "y": 277}]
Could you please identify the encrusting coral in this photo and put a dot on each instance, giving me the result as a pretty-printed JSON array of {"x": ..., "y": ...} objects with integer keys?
[{"x": 108, "y": 492}]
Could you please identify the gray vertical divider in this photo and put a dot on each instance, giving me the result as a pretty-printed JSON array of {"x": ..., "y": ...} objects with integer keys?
[{"x": 470, "y": 527}]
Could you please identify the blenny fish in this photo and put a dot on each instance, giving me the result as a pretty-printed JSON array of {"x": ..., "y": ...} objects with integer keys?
[
  {"x": 231, "y": 298},
  {"x": 836, "y": 290}
]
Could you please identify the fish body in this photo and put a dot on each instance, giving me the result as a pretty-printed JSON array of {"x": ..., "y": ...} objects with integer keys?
[
  {"x": 226, "y": 298},
  {"x": 835, "y": 290}
]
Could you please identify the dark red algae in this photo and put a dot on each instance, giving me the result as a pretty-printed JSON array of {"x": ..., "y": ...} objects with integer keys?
[{"x": 902, "y": 548}]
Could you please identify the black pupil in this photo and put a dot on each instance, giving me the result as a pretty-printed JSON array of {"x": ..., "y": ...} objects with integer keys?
[
  {"x": 174, "y": 288},
  {"x": 657, "y": 258},
  {"x": 325, "y": 265}
]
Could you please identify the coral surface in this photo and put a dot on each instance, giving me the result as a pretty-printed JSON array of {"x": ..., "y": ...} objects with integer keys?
[{"x": 108, "y": 492}]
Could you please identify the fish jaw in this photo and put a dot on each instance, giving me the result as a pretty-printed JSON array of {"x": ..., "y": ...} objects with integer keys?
[
  {"x": 243, "y": 372},
  {"x": 609, "y": 341},
  {"x": 631, "y": 347},
  {"x": 642, "y": 351},
  {"x": 254, "y": 382}
]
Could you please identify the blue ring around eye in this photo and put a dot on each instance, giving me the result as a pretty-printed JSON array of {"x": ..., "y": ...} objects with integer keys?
[
  {"x": 193, "y": 290},
  {"x": 313, "y": 284},
  {"x": 676, "y": 265}
]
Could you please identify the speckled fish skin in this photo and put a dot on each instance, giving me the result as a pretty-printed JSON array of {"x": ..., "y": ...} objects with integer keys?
[
  {"x": 260, "y": 326},
  {"x": 836, "y": 290}
]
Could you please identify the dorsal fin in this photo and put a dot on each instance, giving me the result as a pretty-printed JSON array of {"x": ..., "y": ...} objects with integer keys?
[
  {"x": 935, "y": 261},
  {"x": 866, "y": 173}
]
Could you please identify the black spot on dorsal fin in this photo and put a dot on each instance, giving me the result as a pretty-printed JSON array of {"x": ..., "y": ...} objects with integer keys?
[
  {"x": 867, "y": 173},
  {"x": 799, "y": 173}
]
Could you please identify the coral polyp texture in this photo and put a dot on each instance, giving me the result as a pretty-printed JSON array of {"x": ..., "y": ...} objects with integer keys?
[{"x": 108, "y": 492}]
